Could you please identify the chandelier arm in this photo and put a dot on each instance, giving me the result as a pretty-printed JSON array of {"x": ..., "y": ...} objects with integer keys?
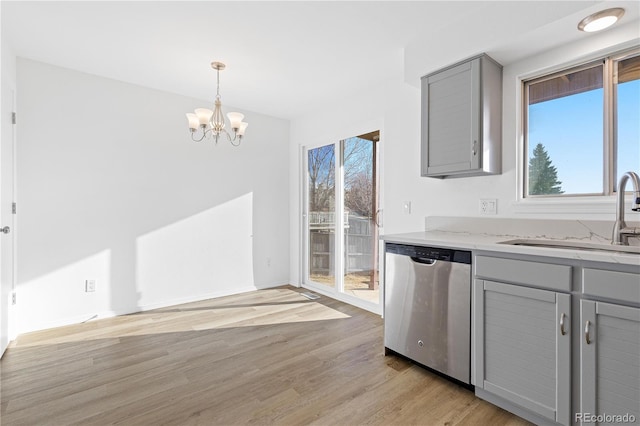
[
  {"x": 227, "y": 134},
  {"x": 232, "y": 140},
  {"x": 205, "y": 133},
  {"x": 201, "y": 137},
  {"x": 235, "y": 137}
]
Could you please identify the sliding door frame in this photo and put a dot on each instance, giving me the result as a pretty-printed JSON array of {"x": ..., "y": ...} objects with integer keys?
[{"x": 337, "y": 291}]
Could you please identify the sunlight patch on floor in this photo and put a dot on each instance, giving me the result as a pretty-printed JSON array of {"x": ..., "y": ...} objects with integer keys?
[{"x": 247, "y": 310}]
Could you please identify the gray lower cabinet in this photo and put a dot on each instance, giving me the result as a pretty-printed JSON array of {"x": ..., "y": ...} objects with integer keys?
[
  {"x": 609, "y": 361},
  {"x": 527, "y": 342},
  {"x": 523, "y": 347}
]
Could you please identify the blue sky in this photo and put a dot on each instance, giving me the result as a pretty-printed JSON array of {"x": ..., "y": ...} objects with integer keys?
[
  {"x": 629, "y": 127},
  {"x": 571, "y": 129}
]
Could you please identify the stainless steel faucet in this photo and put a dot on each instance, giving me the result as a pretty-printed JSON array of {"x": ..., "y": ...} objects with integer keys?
[{"x": 621, "y": 232}]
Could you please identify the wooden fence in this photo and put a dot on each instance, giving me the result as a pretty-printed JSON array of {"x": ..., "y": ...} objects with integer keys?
[{"x": 358, "y": 242}]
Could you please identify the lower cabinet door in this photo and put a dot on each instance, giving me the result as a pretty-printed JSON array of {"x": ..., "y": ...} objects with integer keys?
[
  {"x": 522, "y": 347},
  {"x": 609, "y": 364}
]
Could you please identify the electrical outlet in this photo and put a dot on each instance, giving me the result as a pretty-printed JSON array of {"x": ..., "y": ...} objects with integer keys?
[
  {"x": 268, "y": 261},
  {"x": 488, "y": 206},
  {"x": 13, "y": 298},
  {"x": 90, "y": 286}
]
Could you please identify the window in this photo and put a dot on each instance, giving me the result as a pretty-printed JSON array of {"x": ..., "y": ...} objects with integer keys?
[{"x": 582, "y": 128}]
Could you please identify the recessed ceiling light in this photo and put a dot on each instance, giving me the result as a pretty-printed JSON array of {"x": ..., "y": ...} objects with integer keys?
[{"x": 600, "y": 20}]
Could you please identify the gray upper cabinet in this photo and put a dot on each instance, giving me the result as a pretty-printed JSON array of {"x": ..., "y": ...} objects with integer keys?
[{"x": 461, "y": 119}]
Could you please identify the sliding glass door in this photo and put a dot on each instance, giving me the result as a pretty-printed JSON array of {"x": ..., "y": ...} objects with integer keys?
[
  {"x": 341, "y": 211},
  {"x": 321, "y": 231}
]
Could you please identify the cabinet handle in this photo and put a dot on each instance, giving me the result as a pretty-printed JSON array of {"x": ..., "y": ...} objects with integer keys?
[
  {"x": 474, "y": 150},
  {"x": 562, "y": 317},
  {"x": 587, "y": 338}
]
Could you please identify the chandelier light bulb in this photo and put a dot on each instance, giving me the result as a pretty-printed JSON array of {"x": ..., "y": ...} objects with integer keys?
[
  {"x": 235, "y": 118},
  {"x": 204, "y": 115},
  {"x": 243, "y": 127},
  {"x": 193, "y": 121}
]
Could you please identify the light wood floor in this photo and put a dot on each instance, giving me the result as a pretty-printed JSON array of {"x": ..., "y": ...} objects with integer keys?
[{"x": 266, "y": 357}]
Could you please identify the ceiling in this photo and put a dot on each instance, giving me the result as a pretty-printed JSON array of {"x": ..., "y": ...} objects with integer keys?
[{"x": 285, "y": 58}]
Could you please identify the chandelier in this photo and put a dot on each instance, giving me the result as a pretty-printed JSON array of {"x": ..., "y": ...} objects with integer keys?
[{"x": 206, "y": 123}]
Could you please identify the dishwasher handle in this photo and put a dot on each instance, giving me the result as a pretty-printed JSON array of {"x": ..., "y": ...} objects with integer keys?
[{"x": 423, "y": 260}]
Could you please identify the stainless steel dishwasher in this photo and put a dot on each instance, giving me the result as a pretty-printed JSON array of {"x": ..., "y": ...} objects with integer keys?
[{"x": 427, "y": 307}]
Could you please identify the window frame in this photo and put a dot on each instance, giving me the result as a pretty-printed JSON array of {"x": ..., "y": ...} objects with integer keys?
[{"x": 609, "y": 137}]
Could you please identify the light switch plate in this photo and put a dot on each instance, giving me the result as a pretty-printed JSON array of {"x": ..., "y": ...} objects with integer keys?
[{"x": 406, "y": 207}]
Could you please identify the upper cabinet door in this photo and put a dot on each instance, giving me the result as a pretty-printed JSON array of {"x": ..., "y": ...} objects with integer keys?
[
  {"x": 461, "y": 119},
  {"x": 452, "y": 108}
]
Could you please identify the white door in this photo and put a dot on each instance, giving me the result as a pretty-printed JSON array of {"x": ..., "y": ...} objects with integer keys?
[{"x": 7, "y": 138}]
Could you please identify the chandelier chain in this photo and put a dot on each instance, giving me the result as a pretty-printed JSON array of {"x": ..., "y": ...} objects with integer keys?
[{"x": 218, "y": 84}]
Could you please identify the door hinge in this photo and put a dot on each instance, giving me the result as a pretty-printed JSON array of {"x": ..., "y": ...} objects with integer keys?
[
  {"x": 13, "y": 118},
  {"x": 14, "y": 208},
  {"x": 13, "y": 298}
]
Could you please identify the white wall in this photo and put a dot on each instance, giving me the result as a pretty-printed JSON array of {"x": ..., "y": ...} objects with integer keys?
[
  {"x": 111, "y": 188},
  {"x": 397, "y": 105}
]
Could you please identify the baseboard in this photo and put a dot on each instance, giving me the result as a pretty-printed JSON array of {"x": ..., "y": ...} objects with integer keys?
[
  {"x": 63, "y": 322},
  {"x": 198, "y": 298},
  {"x": 358, "y": 303},
  {"x": 149, "y": 306}
]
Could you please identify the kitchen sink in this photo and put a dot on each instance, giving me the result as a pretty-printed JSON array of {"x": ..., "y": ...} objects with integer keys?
[{"x": 574, "y": 245}]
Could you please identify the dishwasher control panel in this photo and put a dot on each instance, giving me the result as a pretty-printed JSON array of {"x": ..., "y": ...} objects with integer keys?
[{"x": 434, "y": 253}]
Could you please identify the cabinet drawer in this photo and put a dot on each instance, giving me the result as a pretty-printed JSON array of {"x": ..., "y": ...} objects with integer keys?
[
  {"x": 543, "y": 275},
  {"x": 623, "y": 286}
]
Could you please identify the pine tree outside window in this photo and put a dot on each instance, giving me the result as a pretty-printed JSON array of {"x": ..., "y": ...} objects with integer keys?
[
  {"x": 582, "y": 129},
  {"x": 543, "y": 176}
]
